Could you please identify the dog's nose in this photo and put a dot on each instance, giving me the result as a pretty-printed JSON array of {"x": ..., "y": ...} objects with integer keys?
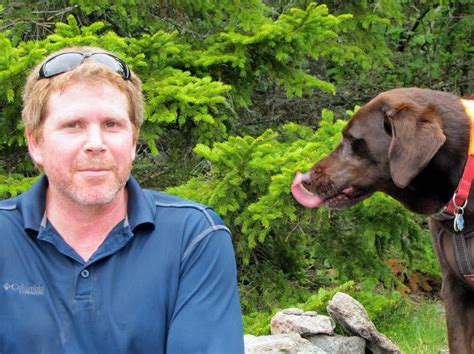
[{"x": 306, "y": 179}]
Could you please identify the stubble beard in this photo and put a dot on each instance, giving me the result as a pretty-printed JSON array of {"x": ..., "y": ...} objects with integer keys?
[{"x": 86, "y": 194}]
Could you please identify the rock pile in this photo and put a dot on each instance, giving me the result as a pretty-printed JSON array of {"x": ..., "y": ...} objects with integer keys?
[{"x": 296, "y": 332}]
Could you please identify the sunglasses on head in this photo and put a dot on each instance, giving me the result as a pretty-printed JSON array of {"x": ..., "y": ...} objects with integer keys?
[{"x": 64, "y": 62}]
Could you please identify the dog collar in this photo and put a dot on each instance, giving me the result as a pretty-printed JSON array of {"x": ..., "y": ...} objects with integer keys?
[{"x": 455, "y": 207}]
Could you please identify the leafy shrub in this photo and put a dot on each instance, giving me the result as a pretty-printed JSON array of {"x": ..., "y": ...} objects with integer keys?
[
  {"x": 14, "y": 184},
  {"x": 248, "y": 184}
]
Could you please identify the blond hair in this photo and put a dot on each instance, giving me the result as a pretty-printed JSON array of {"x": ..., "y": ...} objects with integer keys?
[{"x": 38, "y": 90}]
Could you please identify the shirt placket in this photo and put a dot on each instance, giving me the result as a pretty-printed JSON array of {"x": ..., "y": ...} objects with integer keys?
[{"x": 84, "y": 282}]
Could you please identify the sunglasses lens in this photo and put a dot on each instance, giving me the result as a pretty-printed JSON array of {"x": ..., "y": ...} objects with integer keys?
[
  {"x": 113, "y": 63},
  {"x": 61, "y": 64}
]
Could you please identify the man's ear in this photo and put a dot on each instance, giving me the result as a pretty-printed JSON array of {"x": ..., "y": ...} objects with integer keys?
[
  {"x": 417, "y": 136},
  {"x": 34, "y": 147},
  {"x": 134, "y": 152}
]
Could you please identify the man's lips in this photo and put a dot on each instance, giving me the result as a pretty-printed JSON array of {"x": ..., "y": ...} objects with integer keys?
[{"x": 94, "y": 171}]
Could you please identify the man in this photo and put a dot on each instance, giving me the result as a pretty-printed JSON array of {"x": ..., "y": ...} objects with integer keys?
[{"x": 89, "y": 261}]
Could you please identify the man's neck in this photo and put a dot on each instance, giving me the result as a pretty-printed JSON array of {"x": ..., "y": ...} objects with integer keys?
[{"x": 84, "y": 227}]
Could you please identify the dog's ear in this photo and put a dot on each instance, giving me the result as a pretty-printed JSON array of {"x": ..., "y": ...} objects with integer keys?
[{"x": 417, "y": 136}]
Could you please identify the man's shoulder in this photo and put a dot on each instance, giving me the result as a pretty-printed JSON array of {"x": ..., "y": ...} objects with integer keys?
[
  {"x": 165, "y": 200},
  {"x": 9, "y": 214},
  {"x": 171, "y": 203},
  {"x": 8, "y": 204}
]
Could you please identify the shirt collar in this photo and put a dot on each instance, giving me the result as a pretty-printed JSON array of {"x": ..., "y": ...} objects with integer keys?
[
  {"x": 31, "y": 204},
  {"x": 140, "y": 209}
]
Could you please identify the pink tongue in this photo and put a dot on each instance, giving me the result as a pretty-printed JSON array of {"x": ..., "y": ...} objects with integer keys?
[{"x": 303, "y": 196}]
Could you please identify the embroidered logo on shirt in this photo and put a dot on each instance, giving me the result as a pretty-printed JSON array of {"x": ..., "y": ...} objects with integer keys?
[{"x": 24, "y": 289}]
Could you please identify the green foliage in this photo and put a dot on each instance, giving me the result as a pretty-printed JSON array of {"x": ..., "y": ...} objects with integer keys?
[
  {"x": 248, "y": 184},
  {"x": 277, "y": 49},
  {"x": 381, "y": 307},
  {"x": 216, "y": 76},
  {"x": 366, "y": 33},
  {"x": 174, "y": 95},
  {"x": 122, "y": 7},
  {"x": 319, "y": 301},
  {"x": 192, "y": 81},
  {"x": 263, "y": 291},
  {"x": 379, "y": 304},
  {"x": 416, "y": 328},
  {"x": 12, "y": 185},
  {"x": 249, "y": 180},
  {"x": 434, "y": 47}
]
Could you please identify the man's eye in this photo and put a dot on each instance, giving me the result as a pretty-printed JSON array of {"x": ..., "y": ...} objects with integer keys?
[
  {"x": 72, "y": 125},
  {"x": 110, "y": 125}
]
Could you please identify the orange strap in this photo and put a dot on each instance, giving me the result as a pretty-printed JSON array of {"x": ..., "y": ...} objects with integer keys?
[
  {"x": 469, "y": 108},
  {"x": 458, "y": 202}
]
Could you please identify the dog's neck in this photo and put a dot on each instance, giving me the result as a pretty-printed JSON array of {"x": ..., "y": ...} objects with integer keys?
[{"x": 427, "y": 193}]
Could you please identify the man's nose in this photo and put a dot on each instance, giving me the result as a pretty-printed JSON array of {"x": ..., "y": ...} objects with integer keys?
[{"x": 94, "y": 140}]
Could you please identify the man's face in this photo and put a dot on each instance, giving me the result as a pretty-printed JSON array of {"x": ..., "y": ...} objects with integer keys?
[{"x": 87, "y": 144}]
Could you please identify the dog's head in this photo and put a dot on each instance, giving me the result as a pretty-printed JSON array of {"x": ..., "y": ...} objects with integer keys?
[{"x": 385, "y": 145}]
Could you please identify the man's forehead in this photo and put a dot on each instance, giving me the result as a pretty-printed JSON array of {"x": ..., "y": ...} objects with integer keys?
[
  {"x": 84, "y": 85},
  {"x": 85, "y": 98}
]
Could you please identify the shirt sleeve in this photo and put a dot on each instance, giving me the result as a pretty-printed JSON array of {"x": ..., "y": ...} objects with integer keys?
[{"x": 207, "y": 317}]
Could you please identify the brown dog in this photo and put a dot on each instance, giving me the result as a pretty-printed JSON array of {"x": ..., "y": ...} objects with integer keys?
[{"x": 413, "y": 145}]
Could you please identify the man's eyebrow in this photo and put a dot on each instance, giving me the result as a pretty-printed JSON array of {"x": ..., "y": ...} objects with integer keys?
[
  {"x": 118, "y": 118},
  {"x": 108, "y": 117}
]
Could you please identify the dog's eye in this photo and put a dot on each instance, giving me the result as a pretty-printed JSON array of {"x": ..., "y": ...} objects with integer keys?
[
  {"x": 359, "y": 147},
  {"x": 387, "y": 126}
]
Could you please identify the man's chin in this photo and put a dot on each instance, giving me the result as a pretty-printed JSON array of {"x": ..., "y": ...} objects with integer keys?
[
  {"x": 95, "y": 199},
  {"x": 92, "y": 194}
]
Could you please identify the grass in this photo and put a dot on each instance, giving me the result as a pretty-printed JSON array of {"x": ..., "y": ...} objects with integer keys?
[{"x": 420, "y": 328}]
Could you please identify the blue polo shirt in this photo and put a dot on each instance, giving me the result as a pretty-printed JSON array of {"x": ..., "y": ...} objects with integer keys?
[{"x": 163, "y": 281}]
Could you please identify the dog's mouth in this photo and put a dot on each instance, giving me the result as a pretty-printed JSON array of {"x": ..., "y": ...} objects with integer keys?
[{"x": 341, "y": 199}]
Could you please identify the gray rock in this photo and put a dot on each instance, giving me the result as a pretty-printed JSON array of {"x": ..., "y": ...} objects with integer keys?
[
  {"x": 310, "y": 313},
  {"x": 292, "y": 311},
  {"x": 280, "y": 343},
  {"x": 339, "y": 344},
  {"x": 352, "y": 316},
  {"x": 303, "y": 324}
]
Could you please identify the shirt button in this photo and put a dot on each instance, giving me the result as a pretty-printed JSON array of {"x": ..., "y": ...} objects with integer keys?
[{"x": 85, "y": 273}]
